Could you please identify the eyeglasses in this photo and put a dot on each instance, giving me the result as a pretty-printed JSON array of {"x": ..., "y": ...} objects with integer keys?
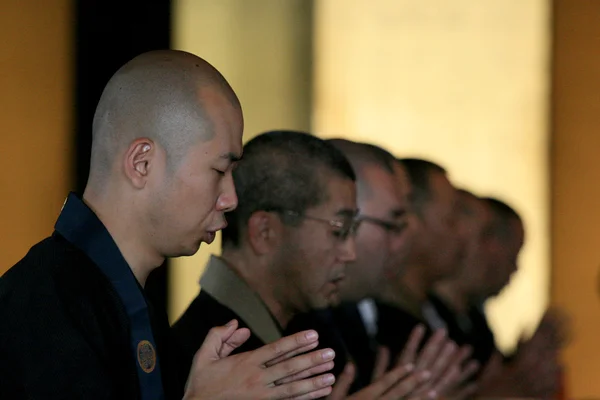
[
  {"x": 343, "y": 229},
  {"x": 392, "y": 227}
]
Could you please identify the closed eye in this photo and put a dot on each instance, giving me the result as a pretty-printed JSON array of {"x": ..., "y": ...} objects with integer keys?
[{"x": 222, "y": 173}]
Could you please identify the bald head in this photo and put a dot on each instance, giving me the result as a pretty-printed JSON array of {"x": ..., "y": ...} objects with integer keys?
[
  {"x": 165, "y": 96},
  {"x": 362, "y": 157},
  {"x": 380, "y": 240}
]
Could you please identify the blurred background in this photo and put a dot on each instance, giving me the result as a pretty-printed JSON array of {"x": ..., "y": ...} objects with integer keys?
[{"x": 504, "y": 93}]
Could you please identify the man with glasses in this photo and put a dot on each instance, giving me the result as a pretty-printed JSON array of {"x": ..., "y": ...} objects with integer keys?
[
  {"x": 285, "y": 249},
  {"x": 382, "y": 242}
]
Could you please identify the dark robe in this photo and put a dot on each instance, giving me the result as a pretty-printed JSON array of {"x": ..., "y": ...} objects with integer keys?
[
  {"x": 471, "y": 329},
  {"x": 341, "y": 329},
  {"x": 223, "y": 297},
  {"x": 64, "y": 333},
  {"x": 394, "y": 326}
]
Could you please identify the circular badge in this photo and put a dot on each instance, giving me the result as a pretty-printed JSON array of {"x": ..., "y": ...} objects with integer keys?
[{"x": 146, "y": 356}]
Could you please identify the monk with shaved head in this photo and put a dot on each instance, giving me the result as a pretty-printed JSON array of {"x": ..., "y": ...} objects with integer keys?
[{"x": 75, "y": 321}]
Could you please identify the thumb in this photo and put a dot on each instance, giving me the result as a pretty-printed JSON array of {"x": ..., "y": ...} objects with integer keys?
[
  {"x": 343, "y": 383},
  {"x": 211, "y": 349}
]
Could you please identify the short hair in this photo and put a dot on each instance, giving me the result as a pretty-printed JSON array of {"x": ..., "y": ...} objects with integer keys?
[
  {"x": 503, "y": 214},
  {"x": 362, "y": 154},
  {"x": 419, "y": 172},
  {"x": 280, "y": 171}
]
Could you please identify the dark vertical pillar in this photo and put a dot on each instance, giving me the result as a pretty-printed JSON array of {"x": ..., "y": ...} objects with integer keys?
[{"x": 108, "y": 34}]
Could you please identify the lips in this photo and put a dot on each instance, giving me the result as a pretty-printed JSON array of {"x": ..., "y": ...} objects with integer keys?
[
  {"x": 212, "y": 233},
  {"x": 210, "y": 237},
  {"x": 337, "y": 280}
]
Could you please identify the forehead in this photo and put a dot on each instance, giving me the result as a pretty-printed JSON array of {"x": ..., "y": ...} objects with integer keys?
[
  {"x": 441, "y": 189},
  {"x": 471, "y": 205},
  {"x": 341, "y": 194},
  {"x": 518, "y": 232},
  {"x": 378, "y": 181},
  {"x": 225, "y": 119}
]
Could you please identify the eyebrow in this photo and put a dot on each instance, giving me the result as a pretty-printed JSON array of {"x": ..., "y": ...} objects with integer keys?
[
  {"x": 232, "y": 157},
  {"x": 347, "y": 212},
  {"x": 398, "y": 212}
]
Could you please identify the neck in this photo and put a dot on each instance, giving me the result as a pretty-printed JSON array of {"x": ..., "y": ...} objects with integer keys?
[
  {"x": 113, "y": 214},
  {"x": 256, "y": 275},
  {"x": 453, "y": 295}
]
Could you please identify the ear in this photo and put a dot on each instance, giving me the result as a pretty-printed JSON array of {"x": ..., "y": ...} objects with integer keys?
[
  {"x": 138, "y": 161},
  {"x": 264, "y": 231}
]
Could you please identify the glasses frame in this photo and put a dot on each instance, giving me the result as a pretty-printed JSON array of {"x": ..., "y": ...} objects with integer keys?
[
  {"x": 346, "y": 231},
  {"x": 393, "y": 227}
]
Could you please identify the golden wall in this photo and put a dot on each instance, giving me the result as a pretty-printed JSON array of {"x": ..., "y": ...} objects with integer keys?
[
  {"x": 263, "y": 48},
  {"x": 35, "y": 121},
  {"x": 576, "y": 186},
  {"x": 464, "y": 83}
]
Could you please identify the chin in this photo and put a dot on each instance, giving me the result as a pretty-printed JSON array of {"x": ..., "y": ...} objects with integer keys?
[{"x": 187, "y": 251}]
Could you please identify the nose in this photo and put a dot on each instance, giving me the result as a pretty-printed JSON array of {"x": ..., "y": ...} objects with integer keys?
[
  {"x": 227, "y": 200},
  {"x": 348, "y": 250}
]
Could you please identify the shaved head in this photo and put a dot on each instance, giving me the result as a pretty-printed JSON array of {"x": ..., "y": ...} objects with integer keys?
[
  {"x": 364, "y": 157},
  {"x": 166, "y": 136},
  {"x": 381, "y": 239},
  {"x": 160, "y": 95}
]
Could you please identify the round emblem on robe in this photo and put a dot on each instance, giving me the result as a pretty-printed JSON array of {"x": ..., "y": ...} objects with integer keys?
[{"x": 146, "y": 356}]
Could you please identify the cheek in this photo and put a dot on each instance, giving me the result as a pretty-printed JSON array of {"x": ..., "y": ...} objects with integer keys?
[
  {"x": 196, "y": 198},
  {"x": 370, "y": 241}
]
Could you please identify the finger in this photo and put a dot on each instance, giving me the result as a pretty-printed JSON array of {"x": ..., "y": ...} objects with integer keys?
[
  {"x": 297, "y": 364},
  {"x": 432, "y": 348},
  {"x": 210, "y": 349},
  {"x": 424, "y": 383},
  {"x": 319, "y": 369},
  {"x": 469, "y": 371},
  {"x": 448, "y": 381},
  {"x": 409, "y": 353},
  {"x": 387, "y": 381},
  {"x": 238, "y": 338},
  {"x": 403, "y": 388},
  {"x": 303, "y": 389},
  {"x": 283, "y": 346},
  {"x": 343, "y": 383},
  {"x": 292, "y": 353},
  {"x": 382, "y": 361},
  {"x": 443, "y": 360},
  {"x": 464, "y": 353}
]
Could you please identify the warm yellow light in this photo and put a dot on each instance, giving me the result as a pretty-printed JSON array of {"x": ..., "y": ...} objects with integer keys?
[
  {"x": 461, "y": 82},
  {"x": 263, "y": 49}
]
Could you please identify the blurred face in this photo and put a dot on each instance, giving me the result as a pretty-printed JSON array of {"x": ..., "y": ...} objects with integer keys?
[
  {"x": 402, "y": 242},
  {"x": 187, "y": 205},
  {"x": 383, "y": 217},
  {"x": 502, "y": 256},
  {"x": 475, "y": 216},
  {"x": 437, "y": 243},
  {"x": 313, "y": 256}
]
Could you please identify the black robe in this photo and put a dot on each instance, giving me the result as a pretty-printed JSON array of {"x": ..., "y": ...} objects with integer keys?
[
  {"x": 223, "y": 297},
  {"x": 473, "y": 330},
  {"x": 342, "y": 329},
  {"x": 64, "y": 333},
  {"x": 394, "y": 326}
]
